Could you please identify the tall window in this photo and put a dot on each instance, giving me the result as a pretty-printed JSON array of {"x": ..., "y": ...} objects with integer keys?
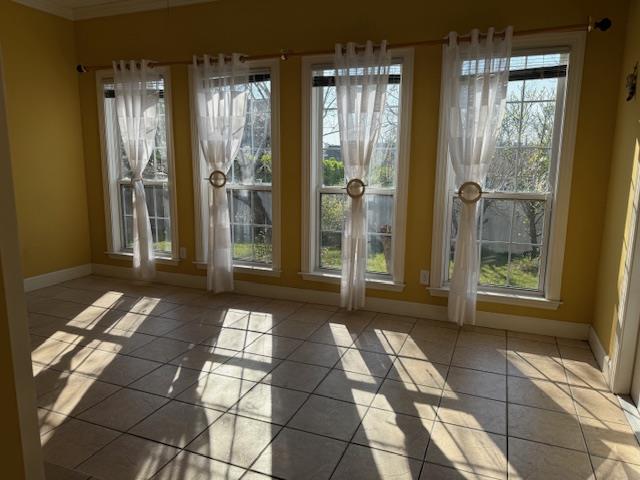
[
  {"x": 250, "y": 180},
  {"x": 157, "y": 176},
  {"x": 524, "y": 205},
  {"x": 327, "y": 195}
]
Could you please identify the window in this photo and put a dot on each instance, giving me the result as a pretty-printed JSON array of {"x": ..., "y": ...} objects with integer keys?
[
  {"x": 521, "y": 219},
  {"x": 158, "y": 176},
  {"x": 386, "y": 184},
  {"x": 252, "y": 188}
]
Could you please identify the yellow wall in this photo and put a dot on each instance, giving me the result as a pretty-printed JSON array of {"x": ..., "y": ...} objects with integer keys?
[
  {"x": 264, "y": 27},
  {"x": 46, "y": 138},
  {"x": 623, "y": 185}
]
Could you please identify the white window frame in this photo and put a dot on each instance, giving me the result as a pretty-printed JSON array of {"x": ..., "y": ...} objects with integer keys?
[
  {"x": 246, "y": 267},
  {"x": 111, "y": 181},
  {"x": 310, "y": 209},
  {"x": 558, "y": 203}
]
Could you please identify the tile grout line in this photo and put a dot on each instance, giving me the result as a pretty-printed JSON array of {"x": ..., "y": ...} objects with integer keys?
[
  {"x": 437, "y": 410},
  {"x": 573, "y": 402},
  {"x": 303, "y": 341},
  {"x": 170, "y": 399}
]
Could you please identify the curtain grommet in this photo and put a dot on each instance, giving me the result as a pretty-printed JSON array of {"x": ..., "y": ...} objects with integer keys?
[
  {"x": 470, "y": 192},
  {"x": 217, "y": 179},
  {"x": 355, "y": 188}
]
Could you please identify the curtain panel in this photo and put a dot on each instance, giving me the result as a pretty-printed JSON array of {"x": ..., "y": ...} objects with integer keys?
[
  {"x": 361, "y": 83},
  {"x": 137, "y": 93},
  {"x": 475, "y": 80},
  {"x": 220, "y": 88}
]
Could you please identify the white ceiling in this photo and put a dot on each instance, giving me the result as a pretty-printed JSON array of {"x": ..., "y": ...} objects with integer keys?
[{"x": 83, "y": 9}]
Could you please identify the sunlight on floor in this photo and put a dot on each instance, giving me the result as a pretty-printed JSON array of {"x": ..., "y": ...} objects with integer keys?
[{"x": 141, "y": 380}]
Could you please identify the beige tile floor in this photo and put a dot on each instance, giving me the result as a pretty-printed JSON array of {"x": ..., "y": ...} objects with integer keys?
[{"x": 138, "y": 381}]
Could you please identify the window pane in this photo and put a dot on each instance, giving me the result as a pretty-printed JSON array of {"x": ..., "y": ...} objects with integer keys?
[
  {"x": 261, "y": 208},
  {"x": 252, "y": 165},
  {"x": 127, "y": 239},
  {"x": 528, "y": 221},
  {"x": 262, "y": 245},
  {"x": 537, "y": 123},
  {"x": 502, "y": 171},
  {"x": 241, "y": 207},
  {"x": 509, "y": 135},
  {"x": 457, "y": 208},
  {"x": 380, "y": 213},
  {"x": 242, "y": 244},
  {"x": 525, "y": 267},
  {"x": 162, "y": 239},
  {"x": 332, "y": 210},
  {"x": 496, "y": 219},
  {"x": 382, "y": 169},
  {"x": 533, "y": 170},
  {"x": 452, "y": 252},
  {"x": 379, "y": 254},
  {"x": 541, "y": 89},
  {"x": 331, "y": 250},
  {"x": 251, "y": 219},
  {"x": 514, "y": 89},
  {"x": 157, "y": 198},
  {"x": 494, "y": 264}
]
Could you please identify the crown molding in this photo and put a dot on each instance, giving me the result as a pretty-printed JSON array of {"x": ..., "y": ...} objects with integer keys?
[
  {"x": 48, "y": 6},
  {"x": 120, "y": 7}
]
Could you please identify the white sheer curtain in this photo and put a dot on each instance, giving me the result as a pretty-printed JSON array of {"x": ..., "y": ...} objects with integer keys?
[
  {"x": 361, "y": 85},
  {"x": 220, "y": 90},
  {"x": 137, "y": 92},
  {"x": 475, "y": 80}
]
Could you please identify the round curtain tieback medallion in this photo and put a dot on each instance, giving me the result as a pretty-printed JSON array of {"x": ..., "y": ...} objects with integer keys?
[
  {"x": 470, "y": 192},
  {"x": 355, "y": 188},
  {"x": 217, "y": 179}
]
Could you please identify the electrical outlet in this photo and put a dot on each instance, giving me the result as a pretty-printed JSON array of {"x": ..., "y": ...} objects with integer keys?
[
  {"x": 183, "y": 252},
  {"x": 424, "y": 277}
]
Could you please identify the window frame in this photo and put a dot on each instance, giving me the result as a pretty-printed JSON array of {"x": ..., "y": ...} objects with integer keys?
[
  {"x": 240, "y": 266},
  {"x": 311, "y": 170},
  {"x": 557, "y": 203},
  {"x": 112, "y": 182}
]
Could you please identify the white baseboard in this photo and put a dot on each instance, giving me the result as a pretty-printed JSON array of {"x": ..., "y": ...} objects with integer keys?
[
  {"x": 413, "y": 309},
  {"x": 51, "y": 278},
  {"x": 600, "y": 353}
]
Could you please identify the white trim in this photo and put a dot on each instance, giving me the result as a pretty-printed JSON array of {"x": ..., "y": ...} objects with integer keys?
[
  {"x": 58, "y": 276},
  {"x": 110, "y": 178},
  {"x": 506, "y": 298},
  {"x": 575, "y": 41},
  {"x": 129, "y": 257},
  {"x": 168, "y": 278},
  {"x": 11, "y": 272},
  {"x": 334, "y": 278},
  {"x": 625, "y": 337},
  {"x": 308, "y": 202},
  {"x": 105, "y": 9},
  {"x": 248, "y": 269},
  {"x": 398, "y": 307},
  {"x": 600, "y": 354},
  {"x": 274, "y": 71}
]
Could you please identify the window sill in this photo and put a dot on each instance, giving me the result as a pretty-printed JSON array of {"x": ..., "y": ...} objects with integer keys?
[
  {"x": 374, "y": 284},
  {"x": 532, "y": 301},
  {"x": 249, "y": 269},
  {"x": 128, "y": 256}
]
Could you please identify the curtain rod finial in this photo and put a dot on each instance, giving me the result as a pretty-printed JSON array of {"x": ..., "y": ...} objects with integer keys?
[
  {"x": 603, "y": 24},
  {"x": 81, "y": 68}
]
